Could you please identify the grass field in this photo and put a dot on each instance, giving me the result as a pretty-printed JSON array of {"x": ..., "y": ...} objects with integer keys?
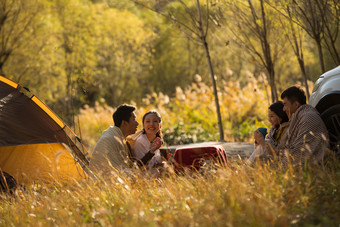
[
  {"x": 233, "y": 196},
  {"x": 236, "y": 195}
]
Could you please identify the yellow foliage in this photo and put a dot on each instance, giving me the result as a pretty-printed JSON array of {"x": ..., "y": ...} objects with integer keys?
[{"x": 190, "y": 116}]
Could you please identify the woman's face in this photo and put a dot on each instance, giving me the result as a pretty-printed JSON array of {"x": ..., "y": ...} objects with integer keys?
[
  {"x": 151, "y": 124},
  {"x": 273, "y": 118}
]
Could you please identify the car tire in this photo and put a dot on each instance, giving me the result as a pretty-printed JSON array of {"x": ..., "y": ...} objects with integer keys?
[{"x": 331, "y": 118}]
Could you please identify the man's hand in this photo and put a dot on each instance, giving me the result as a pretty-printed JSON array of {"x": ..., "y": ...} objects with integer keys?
[{"x": 156, "y": 144}]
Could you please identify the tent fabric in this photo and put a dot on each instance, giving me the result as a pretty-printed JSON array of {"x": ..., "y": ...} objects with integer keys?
[
  {"x": 25, "y": 120},
  {"x": 46, "y": 163}
]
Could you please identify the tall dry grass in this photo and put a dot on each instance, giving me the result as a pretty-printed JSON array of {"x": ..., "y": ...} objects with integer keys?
[
  {"x": 237, "y": 195},
  {"x": 190, "y": 116}
]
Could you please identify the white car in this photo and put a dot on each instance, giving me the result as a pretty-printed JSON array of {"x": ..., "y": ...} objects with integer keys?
[{"x": 326, "y": 99}]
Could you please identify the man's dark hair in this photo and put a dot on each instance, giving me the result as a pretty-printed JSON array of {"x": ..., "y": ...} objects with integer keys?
[
  {"x": 123, "y": 112},
  {"x": 294, "y": 94}
]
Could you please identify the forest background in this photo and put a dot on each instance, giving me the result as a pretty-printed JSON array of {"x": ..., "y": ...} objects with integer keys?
[{"x": 84, "y": 58}]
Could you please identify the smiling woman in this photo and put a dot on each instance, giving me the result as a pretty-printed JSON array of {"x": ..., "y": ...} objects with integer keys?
[{"x": 145, "y": 144}]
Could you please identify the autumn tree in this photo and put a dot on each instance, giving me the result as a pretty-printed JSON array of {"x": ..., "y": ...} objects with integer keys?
[
  {"x": 124, "y": 54},
  {"x": 307, "y": 16},
  {"x": 17, "y": 20},
  {"x": 330, "y": 14},
  {"x": 193, "y": 20},
  {"x": 294, "y": 34},
  {"x": 76, "y": 51},
  {"x": 253, "y": 27},
  {"x": 320, "y": 19}
]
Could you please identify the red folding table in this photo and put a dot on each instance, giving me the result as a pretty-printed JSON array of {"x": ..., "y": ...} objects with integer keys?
[{"x": 195, "y": 155}]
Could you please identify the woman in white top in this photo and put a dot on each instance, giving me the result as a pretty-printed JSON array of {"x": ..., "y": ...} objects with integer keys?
[{"x": 145, "y": 144}]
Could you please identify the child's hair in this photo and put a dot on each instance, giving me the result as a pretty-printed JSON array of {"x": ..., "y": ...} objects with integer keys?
[
  {"x": 277, "y": 108},
  {"x": 159, "y": 133}
]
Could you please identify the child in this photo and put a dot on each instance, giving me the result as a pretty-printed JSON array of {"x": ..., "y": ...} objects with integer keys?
[{"x": 279, "y": 123}]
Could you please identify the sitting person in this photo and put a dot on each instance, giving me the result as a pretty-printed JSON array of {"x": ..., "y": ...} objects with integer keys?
[
  {"x": 145, "y": 144},
  {"x": 307, "y": 136},
  {"x": 111, "y": 149},
  {"x": 279, "y": 123}
]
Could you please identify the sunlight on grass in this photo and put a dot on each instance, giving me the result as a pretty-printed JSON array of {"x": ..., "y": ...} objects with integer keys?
[{"x": 234, "y": 196}]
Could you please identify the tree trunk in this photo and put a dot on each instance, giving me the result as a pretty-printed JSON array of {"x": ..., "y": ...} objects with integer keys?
[
  {"x": 205, "y": 44},
  {"x": 332, "y": 35},
  {"x": 337, "y": 57},
  {"x": 267, "y": 52},
  {"x": 219, "y": 119},
  {"x": 303, "y": 71},
  {"x": 1, "y": 66},
  {"x": 272, "y": 83},
  {"x": 298, "y": 51},
  {"x": 322, "y": 64}
]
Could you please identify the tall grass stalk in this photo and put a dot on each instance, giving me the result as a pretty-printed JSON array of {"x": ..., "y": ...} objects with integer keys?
[{"x": 236, "y": 195}]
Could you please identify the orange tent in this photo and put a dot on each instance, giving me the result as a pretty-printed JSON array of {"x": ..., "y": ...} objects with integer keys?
[{"x": 35, "y": 144}]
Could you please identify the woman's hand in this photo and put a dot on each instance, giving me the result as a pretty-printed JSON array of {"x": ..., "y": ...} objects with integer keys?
[
  {"x": 156, "y": 144},
  {"x": 259, "y": 138}
]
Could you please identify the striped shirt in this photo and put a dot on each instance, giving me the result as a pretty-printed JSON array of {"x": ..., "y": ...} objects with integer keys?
[{"x": 307, "y": 138}]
